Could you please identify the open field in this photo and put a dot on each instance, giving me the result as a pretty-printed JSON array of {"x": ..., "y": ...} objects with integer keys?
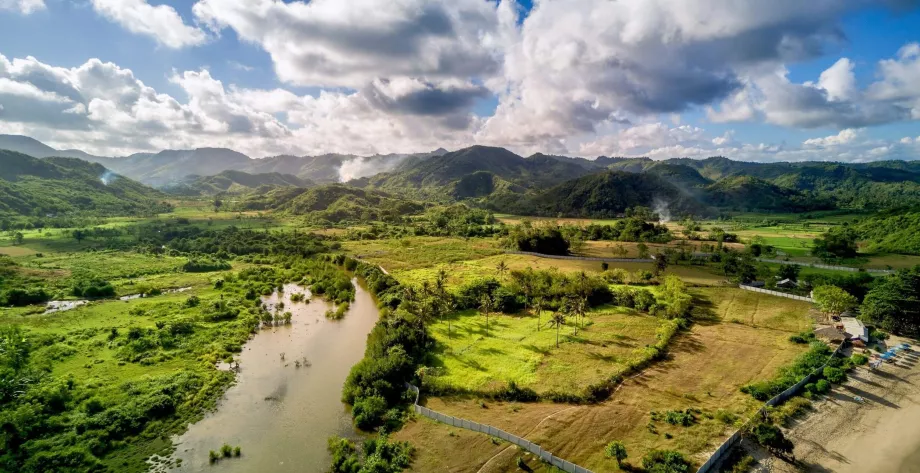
[
  {"x": 705, "y": 370},
  {"x": 420, "y": 252},
  {"x": 737, "y": 306},
  {"x": 513, "y": 350}
]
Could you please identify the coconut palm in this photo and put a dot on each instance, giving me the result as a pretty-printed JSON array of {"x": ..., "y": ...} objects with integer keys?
[
  {"x": 558, "y": 319},
  {"x": 538, "y": 303},
  {"x": 502, "y": 268},
  {"x": 486, "y": 305}
]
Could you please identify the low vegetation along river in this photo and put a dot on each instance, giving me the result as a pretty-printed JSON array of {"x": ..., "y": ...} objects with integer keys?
[{"x": 281, "y": 415}]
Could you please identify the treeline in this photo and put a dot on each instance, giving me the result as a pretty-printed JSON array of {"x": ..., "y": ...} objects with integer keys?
[{"x": 455, "y": 220}]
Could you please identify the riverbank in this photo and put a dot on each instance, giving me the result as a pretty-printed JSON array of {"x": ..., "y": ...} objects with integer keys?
[{"x": 880, "y": 435}]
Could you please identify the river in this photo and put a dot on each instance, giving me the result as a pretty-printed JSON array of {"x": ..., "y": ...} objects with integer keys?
[{"x": 280, "y": 415}]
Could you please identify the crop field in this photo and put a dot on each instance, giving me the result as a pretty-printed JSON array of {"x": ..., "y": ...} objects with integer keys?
[
  {"x": 472, "y": 358},
  {"x": 705, "y": 369}
]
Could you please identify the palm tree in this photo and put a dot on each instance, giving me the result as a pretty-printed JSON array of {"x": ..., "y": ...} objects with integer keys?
[
  {"x": 485, "y": 307},
  {"x": 502, "y": 268},
  {"x": 444, "y": 300},
  {"x": 558, "y": 320},
  {"x": 538, "y": 303}
]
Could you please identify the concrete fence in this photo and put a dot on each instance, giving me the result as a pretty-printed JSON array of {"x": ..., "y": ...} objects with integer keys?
[
  {"x": 583, "y": 258},
  {"x": 776, "y": 293},
  {"x": 825, "y": 266},
  {"x": 525, "y": 444},
  {"x": 725, "y": 449}
]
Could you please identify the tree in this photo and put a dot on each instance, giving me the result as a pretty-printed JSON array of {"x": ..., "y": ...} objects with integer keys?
[
  {"x": 835, "y": 244},
  {"x": 486, "y": 305},
  {"x": 894, "y": 302},
  {"x": 790, "y": 272},
  {"x": 538, "y": 303},
  {"x": 217, "y": 204},
  {"x": 17, "y": 238},
  {"x": 833, "y": 301},
  {"x": 558, "y": 320},
  {"x": 643, "y": 250},
  {"x": 501, "y": 268},
  {"x": 617, "y": 451},
  {"x": 619, "y": 250},
  {"x": 674, "y": 296},
  {"x": 771, "y": 437},
  {"x": 661, "y": 264},
  {"x": 78, "y": 235}
]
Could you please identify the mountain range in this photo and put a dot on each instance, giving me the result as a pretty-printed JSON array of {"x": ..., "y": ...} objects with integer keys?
[
  {"x": 173, "y": 167},
  {"x": 503, "y": 181}
]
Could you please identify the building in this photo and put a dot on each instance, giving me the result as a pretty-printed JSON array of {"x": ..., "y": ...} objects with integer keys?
[
  {"x": 855, "y": 328},
  {"x": 830, "y": 334},
  {"x": 787, "y": 284}
]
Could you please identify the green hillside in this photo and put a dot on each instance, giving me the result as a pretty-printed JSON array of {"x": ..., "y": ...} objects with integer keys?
[
  {"x": 31, "y": 186},
  {"x": 477, "y": 171},
  {"x": 333, "y": 203},
  {"x": 745, "y": 193},
  {"x": 601, "y": 195},
  {"x": 235, "y": 182}
]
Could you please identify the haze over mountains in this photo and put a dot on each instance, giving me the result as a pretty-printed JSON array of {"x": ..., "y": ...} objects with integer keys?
[
  {"x": 501, "y": 180},
  {"x": 171, "y": 167}
]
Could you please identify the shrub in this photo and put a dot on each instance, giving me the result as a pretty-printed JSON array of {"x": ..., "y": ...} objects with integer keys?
[
  {"x": 726, "y": 417},
  {"x": 368, "y": 412},
  {"x": 665, "y": 461},
  {"x": 859, "y": 359},
  {"x": 205, "y": 265},
  {"x": 684, "y": 418},
  {"x": 226, "y": 450},
  {"x": 834, "y": 375},
  {"x": 93, "y": 289},
  {"x": 802, "y": 338},
  {"x": 771, "y": 437},
  {"x": 822, "y": 386}
]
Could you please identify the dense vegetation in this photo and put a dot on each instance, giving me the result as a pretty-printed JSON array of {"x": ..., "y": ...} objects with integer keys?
[
  {"x": 48, "y": 187},
  {"x": 235, "y": 182},
  {"x": 894, "y": 303},
  {"x": 895, "y": 231},
  {"x": 336, "y": 203}
]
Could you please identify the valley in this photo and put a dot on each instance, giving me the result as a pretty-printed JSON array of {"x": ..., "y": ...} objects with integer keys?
[{"x": 270, "y": 304}]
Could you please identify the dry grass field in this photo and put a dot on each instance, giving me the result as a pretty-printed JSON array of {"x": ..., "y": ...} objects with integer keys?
[{"x": 704, "y": 370}]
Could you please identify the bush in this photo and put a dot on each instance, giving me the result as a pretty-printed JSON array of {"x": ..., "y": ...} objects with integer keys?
[
  {"x": 771, "y": 437},
  {"x": 822, "y": 387},
  {"x": 368, "y": 412},
  {"x": 684, "y": 418},
  {"x": 803, "y": 338},
  {"x": 665, "y": 461},
  {"x": 834, "y": 375},
  {"x": 93, "y": 289},
  {"x": 205, "y": 265},
  {"x": 22, "y": 297},
  {"x": 859, "y": 359}
]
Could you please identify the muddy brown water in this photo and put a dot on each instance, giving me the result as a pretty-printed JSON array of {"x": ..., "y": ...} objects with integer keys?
[{"x": 280, "y": 415}]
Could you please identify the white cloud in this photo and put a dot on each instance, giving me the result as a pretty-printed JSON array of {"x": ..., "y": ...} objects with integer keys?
[
  {"x": 25, "y": 7},
  {"x": 834, "y": 101},
  {"x": 160, "y": 22},
  {"x": 350, "y": 43},
  {"x": 844, "y": 137}
]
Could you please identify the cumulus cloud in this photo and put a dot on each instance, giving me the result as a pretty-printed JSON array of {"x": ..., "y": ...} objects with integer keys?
[
  {"x": 834, "y": 100},
  {"x": 844, "y": 137},
  {"x": 339, "y": 43},
  {"x": 25, "y": 7},
  {"x": 160, "y": 22}
]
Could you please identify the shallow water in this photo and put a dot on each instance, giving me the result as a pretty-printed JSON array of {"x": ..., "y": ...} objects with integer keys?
[
  {"x": 63, "y": 306},
  {"x": 281, "y": 416}
]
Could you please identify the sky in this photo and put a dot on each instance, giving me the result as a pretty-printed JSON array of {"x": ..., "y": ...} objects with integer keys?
[{"x": 784, "y": 80}]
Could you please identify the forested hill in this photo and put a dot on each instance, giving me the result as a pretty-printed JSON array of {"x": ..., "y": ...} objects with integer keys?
[
  {"x": 600, "y": 195},
  {"x": 479, "y": 171},
  {"x": 333, "y": 203},
  {"x": 858, "y": 185},
  {"x": 38, "y": 187},
  {"x": 235, "y": 182}
]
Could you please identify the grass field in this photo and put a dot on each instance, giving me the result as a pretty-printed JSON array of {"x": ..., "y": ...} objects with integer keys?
[
  {"x": 420, "y": 252},
  {"x": 513, "y": 350},
  {"x": 705, "y": 370}
]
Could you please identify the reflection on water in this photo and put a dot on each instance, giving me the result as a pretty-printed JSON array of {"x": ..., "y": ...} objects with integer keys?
[
  {"x": 286, "y": 402},
  {"x": 62, "y": 306}
]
